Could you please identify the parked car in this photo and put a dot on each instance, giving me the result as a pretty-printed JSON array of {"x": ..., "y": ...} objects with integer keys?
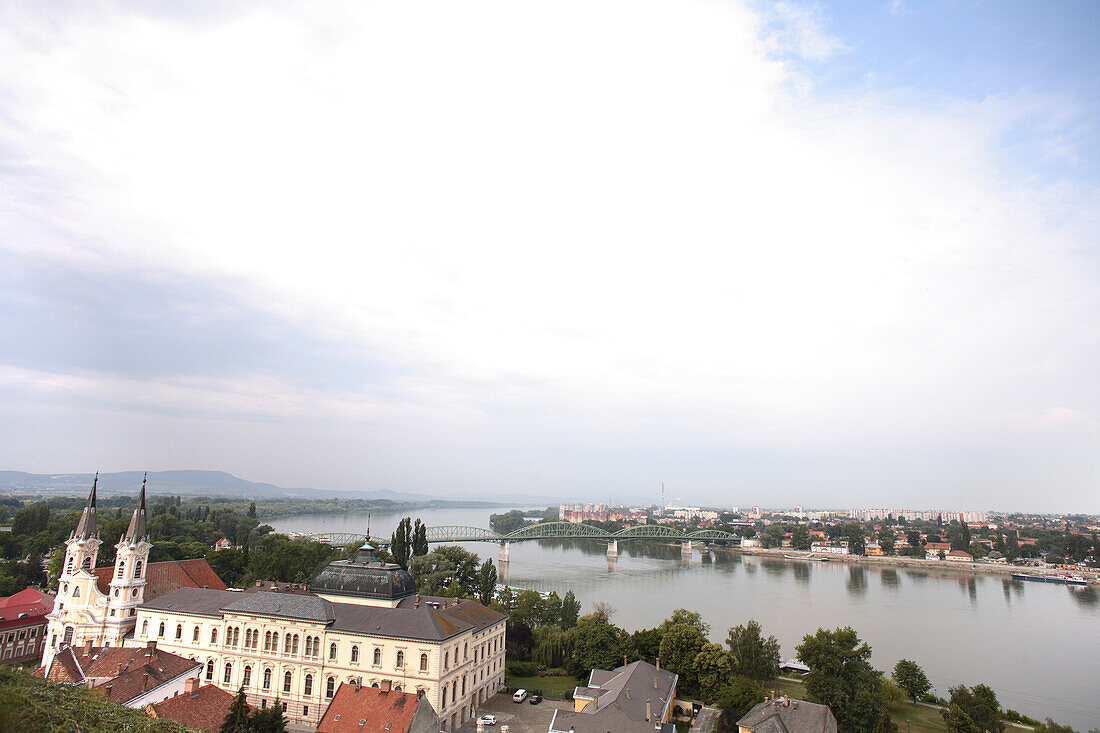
[
  {"x": 520, "y": 695},
  {"x": 535, "y": 699},
  {"x": 487, "y": 720}
]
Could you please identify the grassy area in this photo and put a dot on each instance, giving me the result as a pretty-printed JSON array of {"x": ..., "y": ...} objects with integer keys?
[
  {"x": 547, "y": 686},
  {"x": 921, "y": 719}
]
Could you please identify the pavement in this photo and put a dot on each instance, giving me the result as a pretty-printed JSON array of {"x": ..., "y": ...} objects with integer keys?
[{"x": 519, "y": 717}]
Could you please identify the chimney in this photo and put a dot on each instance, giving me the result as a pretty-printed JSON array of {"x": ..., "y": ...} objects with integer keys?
[
  {"x": 259, "y": 584},
  {"x": 150, "y": 648},
  {"x": 357, "y": 684},
  {"x": 107, "y": 690},
  {"x": 191, "y": 686},
  {"x": 419, "y": 694},
  {"x": 628, "y": 693},
  {"x": 658, "y": 662},
  {"x": 118, "y": 672},
  {"x": 387, "y": 685},
  {"x": 87, "y": 646},
  {"x": 624, "y": 660},
  {"x": 145, "y": 682},
  {"x": 648, "y": 710},
  {"x": 654, "y": 683}
]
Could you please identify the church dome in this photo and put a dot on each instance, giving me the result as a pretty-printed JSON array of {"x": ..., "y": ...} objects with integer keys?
[{"x": 364, "y": 577}]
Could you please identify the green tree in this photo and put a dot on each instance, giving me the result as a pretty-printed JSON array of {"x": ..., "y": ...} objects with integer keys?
[
  {"x": 268, "y": 720},
  {"x": 679, "y": 647},
  {"x": 957, "y": 721},
  {"x": 420, "y": 539},
  {"x": 910, "y": 677},
  {"x": 980, "y": 705},
  {"x": 857, "y": 539},
  {"x": 842, "y": 678},
  {"x": 570, "y": 610},
  {"x": 31, "y": 520},
  {"x": 486, "y": 581},
  {"x": 252, "y": 510},
  {"x": 237, "y": 719},
  {"x": 684, "y": 617},
  {"x": 598, "y": 644},
  {"x": 401, "y": 542},
  {"x": 741, "y": 696},
  {"x": 712, "y": 670},
  {"x": 646, "y": 644},
  {"x": 753, "y": 656},
  {"x": 800, "y": 538}
]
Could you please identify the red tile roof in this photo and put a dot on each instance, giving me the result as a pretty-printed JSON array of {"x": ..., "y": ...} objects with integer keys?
[
  {"x": 165, "y": 577},
  {"x": 204, "y": 709},
  {"x": 369, "y": 704},
  {"x": 937, "y": 546},
  {"x": 121, "y": 673},
  {"x": 30, "y": 603}
]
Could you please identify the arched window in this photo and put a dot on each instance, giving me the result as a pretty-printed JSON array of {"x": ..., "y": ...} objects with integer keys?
[
  {"x": 267, "y": 679},
  {"x": 465, "y": 652},
  {"x": 137, "y": 569},
  {"x": 294, "y": 649},
  {"x": 355, "y": 653},
  {"x": 286, "y": 644},
  {"x": 444, "y": 705},
  {"x": 121, "y": 566},
  {"x": 76, "y": 591},
  {"x": 160, "y": 630},
  {"x": 307, "y": 688},
  {"x": 446, "y": 660},
  {"x": 463, "y": 684},
  {"x": 213, "y": 636},
  {"x": 195, "y": 634},
  {"x": 247, "y": 638},
  {"x": 87, "y": 564},
  {"x": 179, "y": 631},
  {"x": 246, "y": 680},
  {"x": 145, "y": 627},
  {"x": 274, "y": 641},
  {"x": 309, "y": 646},
  {"x": 400, "y": 660},
  {"x": 68, "y": 637},
  {"x": 330, "y": 687},
  {"x": 332, "y": 651},
  {"x": 228, "y": 673},
  {"x": 377, "y": 656},
  {"x": 397, "y": 688},
  {"x": 209, "y": 670},
  {"x": 423, "y": 662},
  {"x": 69, "y": 566},
  {"x": 267, "y": 641},
  {"x": 287, "y": 679}
]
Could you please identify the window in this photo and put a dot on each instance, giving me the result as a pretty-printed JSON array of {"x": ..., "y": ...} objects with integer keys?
[
  {"x": 423, "y": 662},
  {"x": 286, "y": 644},
  {"x": 330, "y": 687},
  {"x": 160, "y": 630},
  {"x": 209, "y": 670},
  {"x": 305, "y": 710},
  {"x": 133, "y": 593},
  {"x": 284, "y": 707},
  {"x": 267, "y": 679},
  {"x": 267, "y": 641},
  {"x": 307, "y": 688},
  {"x": 294, "y": 649},
  {"x": 195, "y": 634},
  {"x": 145, "y": 627},
  {"x": 137, "y": 569},
  {"x": 76, "y": 591},
  {"x": 446, "y": 660},
  {"x": 274, "y": 641},
  {"x": 463, "y": 684},
  {"x": 69, "y": 566},
  {"x": 400, "y": 660},
  {"x": 213, "y": 636},
  {"x": 309, "y": 646},
  {"x": 246, "y": 680},
  {"x": 247, "y": 638},
  {"x": 465, "y": 652},
  {"x": 332, "y": 651},
  {"x": 121, "y": 565},
  {"x": 444, "y": 705},
  {"x": 228, "y": 673},
  {"x": 179, "y": 631},
  {"x": 377, "y": 656},
  {"x": 355, "y": 653},
  {"x": 87, "y": 564},
  {"x": 287, "y": 679}
]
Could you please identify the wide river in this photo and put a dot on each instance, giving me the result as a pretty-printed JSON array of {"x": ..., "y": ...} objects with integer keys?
[{"x": 1036, "y": 644}]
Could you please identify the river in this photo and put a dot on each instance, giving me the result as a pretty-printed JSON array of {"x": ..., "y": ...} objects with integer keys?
[{"x": 1036, "y": 644}]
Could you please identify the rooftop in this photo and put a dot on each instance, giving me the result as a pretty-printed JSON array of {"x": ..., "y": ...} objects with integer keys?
[
  {"x": 369, "y": 709},
  {"x": 783, "y": 715}
]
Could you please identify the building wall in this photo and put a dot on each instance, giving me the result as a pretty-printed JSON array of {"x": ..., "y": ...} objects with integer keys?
[
  {"x": 23, "y": 643},
  {"x": 469, "y": 666}
]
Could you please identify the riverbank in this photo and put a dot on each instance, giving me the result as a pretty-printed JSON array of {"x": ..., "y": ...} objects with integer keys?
[{"x": 974, "y": 568}]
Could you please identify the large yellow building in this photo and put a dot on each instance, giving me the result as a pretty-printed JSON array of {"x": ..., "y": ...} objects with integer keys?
[{"x": 358, "y": 621}]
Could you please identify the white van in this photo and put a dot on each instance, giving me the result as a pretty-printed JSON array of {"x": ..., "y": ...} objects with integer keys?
[{"x": 520, "y": 695}]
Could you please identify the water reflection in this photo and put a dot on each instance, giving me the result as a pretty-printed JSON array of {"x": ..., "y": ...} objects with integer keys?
[
  {"x": 857, "y": 580},
  {"x": 890, "y": 578},
  {"x": 1086, "y": 596},
  {"x": 775, "y": 567},
  {"x": 801, "y": 571}
]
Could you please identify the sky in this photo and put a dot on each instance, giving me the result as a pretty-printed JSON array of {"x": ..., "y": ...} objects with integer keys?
[{"x": 827, "y": 254}]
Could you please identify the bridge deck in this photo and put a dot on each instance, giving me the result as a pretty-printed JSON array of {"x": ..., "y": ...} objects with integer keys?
[{"x": 537, "y": 531}]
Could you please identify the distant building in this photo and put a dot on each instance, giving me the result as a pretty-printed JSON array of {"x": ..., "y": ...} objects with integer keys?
[
  {"x": 932, "y": 550},
  {"x": 202, "y": 707},
  {"x": 223, "y": 544},
  {"x": 130, "y": 676},
  {"x": 874, "y": 549},
  {"x": 959, "y": 556},
  {"x": 23, "y": 626},
  {"x": 830, "y": 548},
  {"x": 635, "y": 698},
  {"x": 356, "y": 709},
  {"x": 783, "y": 715}
]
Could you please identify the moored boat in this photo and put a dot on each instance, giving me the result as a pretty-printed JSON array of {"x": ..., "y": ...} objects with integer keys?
[{"x": 1059, "y": 578}]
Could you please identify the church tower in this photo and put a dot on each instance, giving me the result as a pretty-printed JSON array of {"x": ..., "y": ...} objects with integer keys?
[
  {"x": 73, "y": 619},
  {"x": 127, "y": 587}
]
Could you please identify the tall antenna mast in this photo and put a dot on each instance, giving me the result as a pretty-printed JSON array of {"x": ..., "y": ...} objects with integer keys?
[{"x": 662, "y": 494}]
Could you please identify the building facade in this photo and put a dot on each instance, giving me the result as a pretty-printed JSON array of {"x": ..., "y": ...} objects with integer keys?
[
  {"x": 23, "y": 626},
  {"x": 360, "y": 622}
]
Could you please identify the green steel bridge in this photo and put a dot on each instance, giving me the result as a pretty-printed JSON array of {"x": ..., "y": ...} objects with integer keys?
[{"x": 545, "y": 531}]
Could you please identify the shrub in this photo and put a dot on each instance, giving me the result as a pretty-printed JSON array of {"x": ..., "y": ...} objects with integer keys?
[{"x": 522, "y": 669}]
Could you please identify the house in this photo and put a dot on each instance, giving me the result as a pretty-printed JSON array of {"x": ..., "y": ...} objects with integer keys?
[
  {"x": 356, "y": 708},
  {"x": 830, "y": 548},
  {"x": 202, "y": 707},
  {"x": 959, "y": 556},
  {"x": 794, "y": 667},
  {"x": 932, "y": 550},
  {"x": 635, "y": 698},
  {"x": 783, "y": 715},
  {"x": 874, "y": 549},
  {"x": 130, "y": 676},
  {"x": 223, "y": 544},
  {"x": 23, "y": 626}
]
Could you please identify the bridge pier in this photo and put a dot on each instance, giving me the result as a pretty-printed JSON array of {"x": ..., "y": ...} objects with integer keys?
[
  {"x": 503, "y": 553},
  {"x": 685, "y": 551},
  {"x": 612, "y": 549}
]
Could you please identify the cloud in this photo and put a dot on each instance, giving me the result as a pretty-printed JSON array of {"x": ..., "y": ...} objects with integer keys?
[{"x": 604, "y": 239}]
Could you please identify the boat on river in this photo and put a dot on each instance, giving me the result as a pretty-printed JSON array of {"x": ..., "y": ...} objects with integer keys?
[{"x": 1059, "y": 578}]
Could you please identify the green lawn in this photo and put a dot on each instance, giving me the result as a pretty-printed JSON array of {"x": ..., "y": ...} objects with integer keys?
[
  {"x": 921, "y": 719},
  {"x": 547, "y": 686}
]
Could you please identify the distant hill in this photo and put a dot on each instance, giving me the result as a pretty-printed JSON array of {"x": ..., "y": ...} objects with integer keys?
[{"x": 214, "y": 483}]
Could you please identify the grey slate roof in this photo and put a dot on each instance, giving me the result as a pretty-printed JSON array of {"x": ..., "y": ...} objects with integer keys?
[
  {"x": 789, "y": 716},
  {"x": 193, "y": 601},
  {"x": 281, "y": 605},
  {"x": 136, "y": 531},
  {"x": 364, "y": 577},
  {"x": 613, "y": 709}
]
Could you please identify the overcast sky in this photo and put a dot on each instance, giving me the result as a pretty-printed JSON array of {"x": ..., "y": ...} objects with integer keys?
[{"x": 768, "y": 253}]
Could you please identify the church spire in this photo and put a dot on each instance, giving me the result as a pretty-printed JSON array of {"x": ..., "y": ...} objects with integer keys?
[
  {"x": 136, "y": 531},
  {"x": 86, "y": 528}
]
